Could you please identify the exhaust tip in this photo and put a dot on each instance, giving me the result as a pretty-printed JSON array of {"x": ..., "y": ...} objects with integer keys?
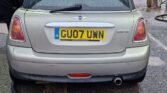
[{"x": 118, "y": 81}]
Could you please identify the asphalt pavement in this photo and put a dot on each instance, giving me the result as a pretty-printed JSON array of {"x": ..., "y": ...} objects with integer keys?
[{"x": 155, "y": 81}]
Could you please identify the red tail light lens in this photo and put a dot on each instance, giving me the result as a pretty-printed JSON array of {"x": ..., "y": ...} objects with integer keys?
[
  {"x": 140, "y": 31},
  {"x": 79, "y": 75},
  {"x": 16, "y": 30}
]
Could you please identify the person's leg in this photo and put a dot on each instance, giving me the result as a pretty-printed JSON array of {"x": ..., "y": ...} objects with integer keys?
[
  {"x": 5, "y": 19},
  {"x": 149, "y": 3},
  {"x": 7, "y": 8}
]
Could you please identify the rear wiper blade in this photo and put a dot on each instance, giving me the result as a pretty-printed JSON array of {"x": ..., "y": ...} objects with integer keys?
[{"x": 71, "y": 8}]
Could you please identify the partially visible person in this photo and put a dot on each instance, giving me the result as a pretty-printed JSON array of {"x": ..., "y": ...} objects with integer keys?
[
  {"x": 7, "y": 8},
  {"x": 149, "y": 3}
]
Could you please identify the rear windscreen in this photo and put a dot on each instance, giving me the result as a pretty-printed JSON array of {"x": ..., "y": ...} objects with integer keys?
[{"x": 87, "y": 5}]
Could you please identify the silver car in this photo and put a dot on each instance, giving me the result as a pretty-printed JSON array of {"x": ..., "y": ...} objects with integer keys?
[{"x": 78, "y": 41}]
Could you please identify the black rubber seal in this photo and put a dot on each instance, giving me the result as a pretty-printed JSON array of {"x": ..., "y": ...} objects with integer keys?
[{"x": 161, "y": 18}]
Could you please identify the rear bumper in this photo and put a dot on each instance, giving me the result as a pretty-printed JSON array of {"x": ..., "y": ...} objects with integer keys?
[
  {"x": 63, "y": 79},
  {"x": 25, "y": 60}
]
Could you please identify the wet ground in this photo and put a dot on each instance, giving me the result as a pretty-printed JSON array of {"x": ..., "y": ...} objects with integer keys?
[{"x": 155, "y": 81}]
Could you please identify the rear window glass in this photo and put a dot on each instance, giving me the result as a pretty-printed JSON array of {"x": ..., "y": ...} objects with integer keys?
[{"x": 87, "y": 5}]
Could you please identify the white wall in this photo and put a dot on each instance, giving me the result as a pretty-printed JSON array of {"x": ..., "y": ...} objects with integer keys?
[{"x": 140, "y": 3}]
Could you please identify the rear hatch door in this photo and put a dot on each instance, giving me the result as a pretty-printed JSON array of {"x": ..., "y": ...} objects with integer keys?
[{"x": 108, "y": 32}]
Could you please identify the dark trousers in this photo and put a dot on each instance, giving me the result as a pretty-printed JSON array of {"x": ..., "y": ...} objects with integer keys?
[{"x": 7, "y": 8}]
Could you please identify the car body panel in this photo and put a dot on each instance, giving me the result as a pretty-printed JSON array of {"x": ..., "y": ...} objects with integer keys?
[
  {"x": 133, "y": 60},
  {"x": 42, "y": 55},
  {"x": 40, "y": 32},
  {"x": 137, "y": 15},
  {"x": 20, "y": 14}
]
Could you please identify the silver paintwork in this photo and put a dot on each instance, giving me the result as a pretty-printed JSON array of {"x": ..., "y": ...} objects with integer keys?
[
  {"x": 25, "y": 60},
  {"x": 41, "y": 54},
  {"x": 37, "y": 31},
  {"x": 20, "y": 13}
]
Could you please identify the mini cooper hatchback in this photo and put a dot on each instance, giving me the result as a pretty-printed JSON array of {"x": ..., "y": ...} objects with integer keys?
[{"x": 78, "y": 41}]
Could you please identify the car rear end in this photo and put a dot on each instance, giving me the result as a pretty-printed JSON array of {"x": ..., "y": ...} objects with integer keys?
[{"x": 103, "y": 40}]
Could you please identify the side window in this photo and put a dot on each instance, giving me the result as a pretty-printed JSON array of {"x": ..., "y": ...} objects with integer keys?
[
  {"x": 30, "y": 3},
  {"x": 132, "y": 4}
]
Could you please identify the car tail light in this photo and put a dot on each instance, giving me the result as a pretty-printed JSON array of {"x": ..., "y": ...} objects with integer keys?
[
  {"x": 140, "y": 31},
  {"x": 79, "y": 75},
  {"x": 16, "y": 33}
]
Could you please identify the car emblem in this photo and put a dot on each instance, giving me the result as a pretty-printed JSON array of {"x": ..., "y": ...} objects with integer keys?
[{"x": 80, "y": 18}]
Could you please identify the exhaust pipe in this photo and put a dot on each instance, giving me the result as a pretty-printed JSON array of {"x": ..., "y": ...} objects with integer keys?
[{"x": 118, "y": 81}]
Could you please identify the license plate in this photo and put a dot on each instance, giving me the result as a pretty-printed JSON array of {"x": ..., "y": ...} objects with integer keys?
[{"x": 80, "y": 34}]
